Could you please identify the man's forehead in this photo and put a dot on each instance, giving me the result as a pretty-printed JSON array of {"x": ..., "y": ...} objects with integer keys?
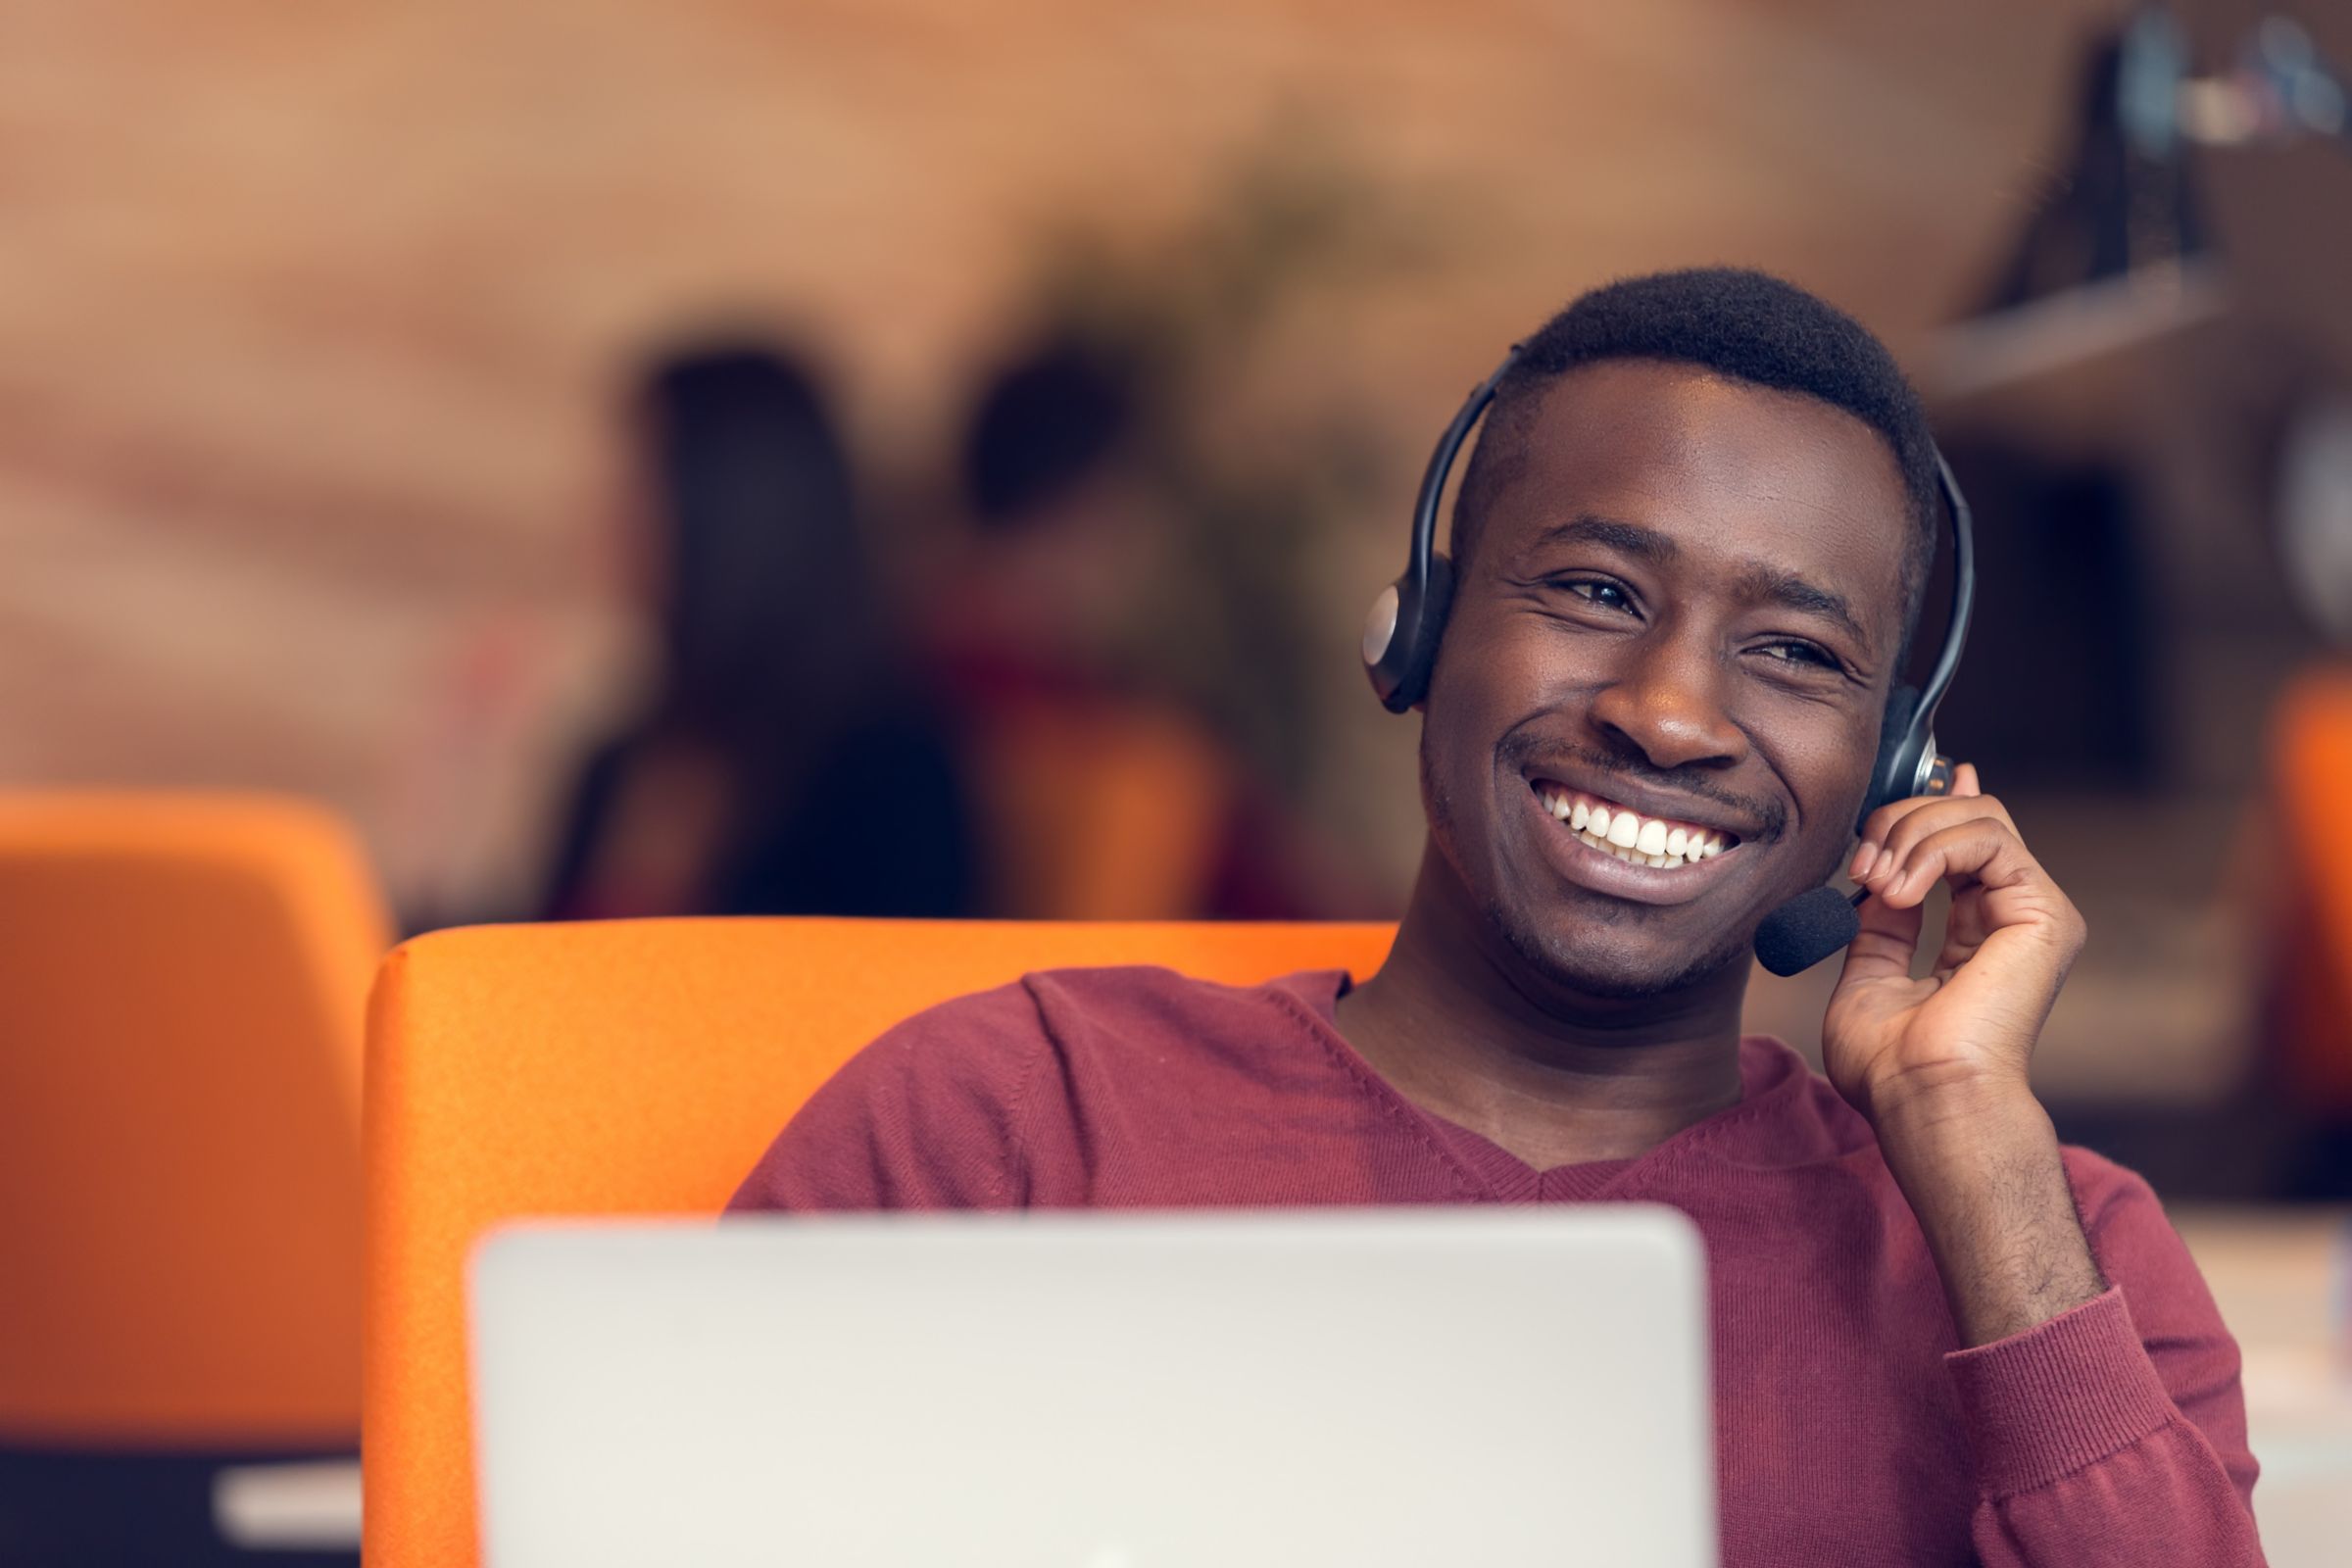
[{"x": 1714, "y": 463}]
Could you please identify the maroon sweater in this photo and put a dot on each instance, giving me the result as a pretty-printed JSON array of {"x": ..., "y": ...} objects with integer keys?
[{"x": 1851, "y": 1426}]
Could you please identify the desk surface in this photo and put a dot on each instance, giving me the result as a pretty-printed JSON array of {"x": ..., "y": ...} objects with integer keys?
[
  {"x": 2280, "y": 1277},
  {"x": 2284, "y": 1278}
]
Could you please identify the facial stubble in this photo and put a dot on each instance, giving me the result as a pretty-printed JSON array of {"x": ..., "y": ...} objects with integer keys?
[{"x": 1556, "y": 967}]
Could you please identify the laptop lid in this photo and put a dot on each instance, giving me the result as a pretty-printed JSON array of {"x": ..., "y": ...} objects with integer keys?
[{"x": 1368, "y": 1387}]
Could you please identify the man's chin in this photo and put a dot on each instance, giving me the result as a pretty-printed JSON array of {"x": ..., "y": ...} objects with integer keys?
[{"x": 1576, "y": 963}]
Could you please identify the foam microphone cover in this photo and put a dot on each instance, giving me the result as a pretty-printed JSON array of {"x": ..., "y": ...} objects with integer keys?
[{"x": 1805, "y": 930}]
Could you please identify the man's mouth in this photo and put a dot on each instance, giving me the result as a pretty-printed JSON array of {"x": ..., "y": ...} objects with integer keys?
[{"x": 1608, "y": 828}]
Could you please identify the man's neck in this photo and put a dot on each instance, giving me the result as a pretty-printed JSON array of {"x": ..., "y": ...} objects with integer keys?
[{"x": 1460, "y": 1025}]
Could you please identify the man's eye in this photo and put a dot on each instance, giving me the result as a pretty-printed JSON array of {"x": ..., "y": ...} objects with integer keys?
[
  {"x": 1800, "y": 654},
  {"x": 1607, "y": 595}
]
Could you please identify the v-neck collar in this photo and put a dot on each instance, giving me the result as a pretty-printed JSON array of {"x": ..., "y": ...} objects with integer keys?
[
  {"x": 1513, "y": 1180},
  {"x": 1760, "y": 1129}
]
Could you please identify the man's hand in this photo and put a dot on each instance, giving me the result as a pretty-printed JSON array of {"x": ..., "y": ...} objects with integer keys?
[
  {"x": 1939, "y": 1065},
  {"x": 1969, "y": 1028}
]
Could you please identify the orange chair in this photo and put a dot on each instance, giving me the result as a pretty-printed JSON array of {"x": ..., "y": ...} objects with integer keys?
[
  {"x": 639, "y": 1067},
  {"x": 2310, "y": 784},
  {"x": 180, "y": 1025}
]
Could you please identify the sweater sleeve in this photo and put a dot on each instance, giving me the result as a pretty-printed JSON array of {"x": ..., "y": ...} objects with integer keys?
[
  {"x": 925, "y": 1117},
  {"x": 2115, "y": 1433}
]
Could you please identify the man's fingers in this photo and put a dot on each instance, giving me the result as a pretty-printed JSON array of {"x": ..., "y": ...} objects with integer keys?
[
  {"x": 1896, "y": 831},
  {"x": 1971, "y": 802},
  {"x": 1883, "y": 948},
  {"x": 1965, "y": 928},
  {"x": 1984, "y": 850}
]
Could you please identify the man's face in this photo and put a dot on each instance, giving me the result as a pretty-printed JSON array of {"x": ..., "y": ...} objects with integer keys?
[{"x": 1684, "y": 604}]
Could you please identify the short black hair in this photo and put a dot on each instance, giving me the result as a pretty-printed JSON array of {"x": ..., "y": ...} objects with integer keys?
[{"x": 1735, "y": 322}]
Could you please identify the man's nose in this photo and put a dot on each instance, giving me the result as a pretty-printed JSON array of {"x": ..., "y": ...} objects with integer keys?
[{"x": 1668, "y": 705}]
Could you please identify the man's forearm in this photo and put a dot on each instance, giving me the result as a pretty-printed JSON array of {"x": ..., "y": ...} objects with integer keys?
[{"x": 1983, "y": 1173}]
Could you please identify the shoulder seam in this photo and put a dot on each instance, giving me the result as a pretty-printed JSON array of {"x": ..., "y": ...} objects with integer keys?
[{"x": 1016, "y": 1110}]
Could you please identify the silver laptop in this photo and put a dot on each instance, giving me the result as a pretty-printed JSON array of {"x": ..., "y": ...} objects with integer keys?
[{"x": 1366, "y": 1387}]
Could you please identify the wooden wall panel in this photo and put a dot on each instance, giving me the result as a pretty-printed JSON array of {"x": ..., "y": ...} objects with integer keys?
[{"x": 308, "y": 313}]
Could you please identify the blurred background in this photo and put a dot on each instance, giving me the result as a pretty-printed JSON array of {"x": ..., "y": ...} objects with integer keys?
[
  {"x": 919, "y": 458},
  {"x": 719, "y": 457}
]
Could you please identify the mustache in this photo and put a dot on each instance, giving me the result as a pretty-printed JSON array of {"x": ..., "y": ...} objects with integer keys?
[{"x": 1527, "y": 752}]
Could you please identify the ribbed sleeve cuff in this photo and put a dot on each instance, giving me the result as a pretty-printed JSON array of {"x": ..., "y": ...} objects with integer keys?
[{"x": 2061, "y": 1396}]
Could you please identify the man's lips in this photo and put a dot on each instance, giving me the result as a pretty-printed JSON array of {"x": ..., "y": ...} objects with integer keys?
[
  {"x": 1628, "y": 872},
  {"x": 1648, "y": 804}
]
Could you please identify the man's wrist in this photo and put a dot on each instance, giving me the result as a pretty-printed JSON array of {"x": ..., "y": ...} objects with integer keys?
[
  {"x": 1979, "y": 1161},
  {"x": 1921, "y": 1100}
]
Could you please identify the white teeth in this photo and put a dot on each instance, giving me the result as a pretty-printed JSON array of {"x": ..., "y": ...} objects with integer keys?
[{"x": 1628, "y": 836}]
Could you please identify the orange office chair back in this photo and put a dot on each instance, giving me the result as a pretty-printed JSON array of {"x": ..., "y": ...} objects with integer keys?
[
  {"x": 2311, "y": 757},
  {"x": 183, "y": 987},
  {"x": 639, "y": 1067}
]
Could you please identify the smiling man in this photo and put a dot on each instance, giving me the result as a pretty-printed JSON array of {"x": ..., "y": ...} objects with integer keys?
[{"x": 1689, "y": 552}]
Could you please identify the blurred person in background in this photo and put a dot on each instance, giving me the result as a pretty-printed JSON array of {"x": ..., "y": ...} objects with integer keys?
[
  {"x": 1105, "y": 796},
  {"x": 787, "y": 762}
]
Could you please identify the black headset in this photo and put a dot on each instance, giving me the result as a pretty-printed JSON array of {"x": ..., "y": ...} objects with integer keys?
[{"x": 1407, "y": 619}]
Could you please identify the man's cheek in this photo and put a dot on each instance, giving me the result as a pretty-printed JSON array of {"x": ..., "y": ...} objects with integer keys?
[{"x": 1822, "y": 848}]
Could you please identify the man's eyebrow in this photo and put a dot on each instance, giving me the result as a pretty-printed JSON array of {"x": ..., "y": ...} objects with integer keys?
[
  {"x": 1759, "y": 582},
  {"x": 1772, "y": 585},
  {"x": 1627, "y": 538}
]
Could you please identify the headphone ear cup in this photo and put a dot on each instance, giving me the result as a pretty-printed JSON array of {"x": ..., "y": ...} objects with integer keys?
[
  {"x": 1387, "y": 632},
  {"x": 1402, "y": 635},
  {"x": 1897, "y": 761},
  {"x": 1420, "y": 627}
]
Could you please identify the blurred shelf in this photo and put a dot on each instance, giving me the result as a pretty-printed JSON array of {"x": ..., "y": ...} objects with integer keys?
[{"x": 2069, "y": 370}]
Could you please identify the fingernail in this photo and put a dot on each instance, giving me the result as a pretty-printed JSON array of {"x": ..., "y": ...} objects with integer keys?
[{"x": 1862, "y": 859}]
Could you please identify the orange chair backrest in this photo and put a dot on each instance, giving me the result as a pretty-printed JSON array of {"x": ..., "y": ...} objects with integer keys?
[
  {"x": 183, "y": 987},
  {"x": 640, "y": 1066},
  {"x": 2310, "y": 761}
]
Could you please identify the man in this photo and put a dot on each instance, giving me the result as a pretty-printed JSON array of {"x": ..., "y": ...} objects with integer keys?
[{"x": 1690, "y": 548}]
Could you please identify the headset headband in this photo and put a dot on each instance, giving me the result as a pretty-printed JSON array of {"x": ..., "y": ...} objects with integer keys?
[
  {"x": 1964, "y": 591},
  {"x": 1441, "y": 465}
]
